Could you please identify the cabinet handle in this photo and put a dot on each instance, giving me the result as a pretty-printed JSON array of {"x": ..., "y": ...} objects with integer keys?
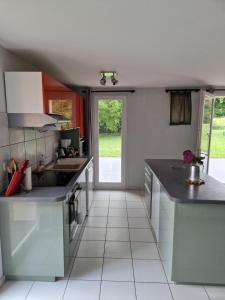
[
  {"x": 147, "y": 188},
  {"x": 147, "y": 176},
  {"x": 148, "y": 171}
]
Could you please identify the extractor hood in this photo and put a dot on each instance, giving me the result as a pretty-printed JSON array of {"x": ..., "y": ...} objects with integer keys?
[{"x": 41, "y": 121}]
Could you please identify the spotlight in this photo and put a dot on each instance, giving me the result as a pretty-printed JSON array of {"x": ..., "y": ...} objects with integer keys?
[
  {"x": 108, "y": 74},
  {"x": 113, "y": 79},
  {"x": 103, "y": 79}
]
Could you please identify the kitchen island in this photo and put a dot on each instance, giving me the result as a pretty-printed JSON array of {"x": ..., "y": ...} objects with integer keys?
[{"x": 188, "y": 222}]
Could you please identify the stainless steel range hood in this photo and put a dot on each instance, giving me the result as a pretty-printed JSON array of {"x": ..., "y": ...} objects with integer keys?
[{"x": 41, "y": 121}]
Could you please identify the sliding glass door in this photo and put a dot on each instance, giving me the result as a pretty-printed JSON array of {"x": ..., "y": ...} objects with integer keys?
[{"x": 207, "y": 107}]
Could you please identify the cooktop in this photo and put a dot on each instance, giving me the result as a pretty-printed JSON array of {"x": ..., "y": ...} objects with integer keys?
[{"x": 50, "y": 178}]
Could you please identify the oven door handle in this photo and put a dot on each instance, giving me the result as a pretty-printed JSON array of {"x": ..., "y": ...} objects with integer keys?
[
  {"x": 77, "y": 192},
  {"x": 72, "y": 211},
  {"x": 72, "y": 218}
]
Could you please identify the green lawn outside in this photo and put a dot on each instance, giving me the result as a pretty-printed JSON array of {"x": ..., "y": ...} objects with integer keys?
[
  {"x": 218, "y": 138},
  {"x": 109, "y": 145},
  {"x": 218, "y": 144}
]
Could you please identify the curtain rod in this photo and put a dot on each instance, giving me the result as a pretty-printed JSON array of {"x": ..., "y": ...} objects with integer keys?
[
  {"x": 183, "y": 90},
  {"x": 114, "y": 91},
  {"x": 210, "y": 89},
  {"x": 214, "y": 90}
]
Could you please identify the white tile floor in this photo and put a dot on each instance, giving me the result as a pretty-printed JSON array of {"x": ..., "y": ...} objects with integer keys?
[{"x": 117, "y": 260}]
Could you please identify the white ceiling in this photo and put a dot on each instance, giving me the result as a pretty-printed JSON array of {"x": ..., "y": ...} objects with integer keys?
[{"x": 150, "y": 43}]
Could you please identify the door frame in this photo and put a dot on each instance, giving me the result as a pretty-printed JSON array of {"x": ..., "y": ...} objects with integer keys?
[
  {"x": 204, "y": 94},
  {"x": 95, "y": 142}
]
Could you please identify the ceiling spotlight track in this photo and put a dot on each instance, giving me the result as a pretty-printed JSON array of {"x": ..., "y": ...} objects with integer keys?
[{"x": 108, "y": 74}]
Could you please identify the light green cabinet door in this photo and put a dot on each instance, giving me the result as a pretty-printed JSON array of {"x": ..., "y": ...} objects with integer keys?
[
  {"x": 166, "y": 231},
  {"x": 32, "y": 239}
]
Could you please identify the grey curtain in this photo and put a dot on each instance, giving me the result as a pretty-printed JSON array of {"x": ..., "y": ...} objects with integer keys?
[{"x": 180, "y": 108}]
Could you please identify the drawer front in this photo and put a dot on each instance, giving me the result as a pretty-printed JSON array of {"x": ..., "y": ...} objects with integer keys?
[{"x": 147, "y": 170}]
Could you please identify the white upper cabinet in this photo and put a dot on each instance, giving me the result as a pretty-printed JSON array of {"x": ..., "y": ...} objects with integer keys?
[{"x": 24, "y": 92}]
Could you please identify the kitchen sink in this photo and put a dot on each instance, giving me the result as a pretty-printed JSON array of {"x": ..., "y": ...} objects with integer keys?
[{"x": 67, "y": 164}]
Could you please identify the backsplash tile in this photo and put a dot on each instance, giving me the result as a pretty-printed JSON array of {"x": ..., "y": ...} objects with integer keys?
[
  {"x": 29, "y": 134},
  {"x": 4, "y": 136},
  {"x": 51, "y": 144},
  {"x": 17, "y": 151},
  {"x": 40, "y": 148},
  {"x": 31, "y": 152},
  {"x": 16, "y": 136},
  {"x": 39, "y": 134}
]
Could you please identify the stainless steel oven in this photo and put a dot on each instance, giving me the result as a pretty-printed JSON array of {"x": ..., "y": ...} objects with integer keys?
[
  {"x": 73, "y": 212},
  {"x": 76, "y": 215}
]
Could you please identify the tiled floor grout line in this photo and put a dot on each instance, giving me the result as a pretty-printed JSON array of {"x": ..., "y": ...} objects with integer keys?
[
  {"x": 152, "y": 282},
  {"x": 131, "y": 250},
  {"x": 168, "y": 284},
  {"x": 107, "y": 280},
  {"x": 103, "y": 259},
  {"x": 206, "y": 292},
  {"x": 127, "y": 258},
  {"x": 72, "y": 263},
  {"x": 66, "y": 286},
  {"x": 30, "y": 290},
  {"x": 132, "y": 262}
]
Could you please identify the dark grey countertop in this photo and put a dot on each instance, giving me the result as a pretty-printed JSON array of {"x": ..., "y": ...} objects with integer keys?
[
  {"x": 47, "y": 194},
  {"x": 172, "y": 174}
]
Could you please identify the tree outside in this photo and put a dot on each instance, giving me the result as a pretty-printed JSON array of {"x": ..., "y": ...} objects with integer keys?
[
  {"x": 110, "y": 124},
  {"x": 218, "y": 129}
]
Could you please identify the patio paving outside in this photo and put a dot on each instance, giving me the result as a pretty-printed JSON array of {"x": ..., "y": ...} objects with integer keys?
[
  {"x": 217, "y": 168},
  {"x": 110, "y": 169}
]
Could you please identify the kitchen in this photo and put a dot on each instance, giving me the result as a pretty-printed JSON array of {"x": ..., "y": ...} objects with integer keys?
[{"x": 51, "y": 250}]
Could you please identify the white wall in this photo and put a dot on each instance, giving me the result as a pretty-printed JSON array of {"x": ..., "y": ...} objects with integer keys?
[{"x": 149, "y": 134}]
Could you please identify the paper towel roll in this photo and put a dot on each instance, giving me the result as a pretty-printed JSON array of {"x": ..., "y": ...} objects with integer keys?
[{"x": 28, "y": 179}]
